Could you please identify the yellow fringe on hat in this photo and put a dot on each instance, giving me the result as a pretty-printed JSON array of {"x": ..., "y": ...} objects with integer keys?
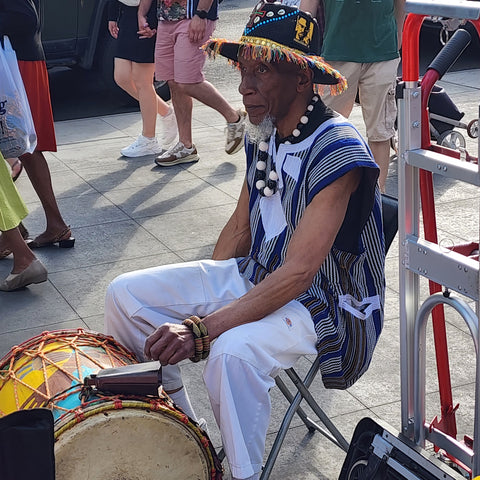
[{"x": 255, "y": 48}]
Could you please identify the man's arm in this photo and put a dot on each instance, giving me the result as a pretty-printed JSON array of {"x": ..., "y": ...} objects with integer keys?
[
  {"x": 196, "y": 30},
  {"x": 310, "y": 244},
  {"x": 234, "y": 240},
  {"x": 399, "y": 7}
]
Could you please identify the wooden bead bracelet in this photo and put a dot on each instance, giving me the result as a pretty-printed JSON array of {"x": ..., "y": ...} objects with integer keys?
[{"x": 200, "y": 337}]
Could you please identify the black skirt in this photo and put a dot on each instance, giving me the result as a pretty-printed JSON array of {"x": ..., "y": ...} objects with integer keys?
[{"x": 128, "y": 45}]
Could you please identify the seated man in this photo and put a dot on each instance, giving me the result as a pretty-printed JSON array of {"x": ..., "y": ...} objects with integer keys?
[{"x": 299, "y": 267}]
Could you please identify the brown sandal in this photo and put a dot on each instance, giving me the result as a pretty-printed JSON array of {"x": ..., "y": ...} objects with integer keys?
[
  {"x": 64, "y": 240},
  {"x": 24, "y": 232}
]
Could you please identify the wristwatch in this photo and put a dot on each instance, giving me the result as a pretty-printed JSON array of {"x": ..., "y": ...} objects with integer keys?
[{"x": 201, "y": 13}]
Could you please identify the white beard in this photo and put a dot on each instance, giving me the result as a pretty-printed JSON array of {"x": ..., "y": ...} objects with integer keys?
[{"x": 261, "y": 132}]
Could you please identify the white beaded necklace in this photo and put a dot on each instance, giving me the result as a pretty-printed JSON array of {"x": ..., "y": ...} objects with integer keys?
[{"x": 267, "y": 185}]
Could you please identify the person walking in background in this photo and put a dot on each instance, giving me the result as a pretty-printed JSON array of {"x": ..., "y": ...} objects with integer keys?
[
  {"x": 133, "y": 72},
  {"x": 361, "y": 40},
  {"x": 19, "y": 20},
  {"x": 183, "y": 27},
  {"x": 27, "y": 269}
]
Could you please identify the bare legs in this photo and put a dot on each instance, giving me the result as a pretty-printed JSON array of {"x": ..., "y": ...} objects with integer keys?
[
  {"x": 39, "y": 174},
  {"x": 205, "y": 92},
  {"x": 22, "y": 255},
  {"x": 381, "y": 154},
  {"x": 183, "y": 105},
  {"x": 137, "y": 80}
]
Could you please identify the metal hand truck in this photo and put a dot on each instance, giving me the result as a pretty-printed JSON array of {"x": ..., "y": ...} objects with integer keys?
[{"x": 457, "y": 270}]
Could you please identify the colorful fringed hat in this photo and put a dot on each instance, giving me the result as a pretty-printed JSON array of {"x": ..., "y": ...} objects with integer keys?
[{"x": 277, "y": 32}]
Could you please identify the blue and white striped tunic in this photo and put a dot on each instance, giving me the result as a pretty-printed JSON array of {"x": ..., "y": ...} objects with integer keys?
[{"x": 346, "y": 297}]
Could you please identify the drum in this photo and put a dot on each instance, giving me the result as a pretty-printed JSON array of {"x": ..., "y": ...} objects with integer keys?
[
  {"x": 102, "y": 437},
  {"x": 132, "y": 438},
  {"x": 53, "y": 362}
]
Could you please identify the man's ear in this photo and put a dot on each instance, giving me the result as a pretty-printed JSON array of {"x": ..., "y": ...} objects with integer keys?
[{"x": 304, "y": 79}]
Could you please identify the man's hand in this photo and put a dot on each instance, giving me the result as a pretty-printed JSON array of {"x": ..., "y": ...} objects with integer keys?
[
  {"x": 113, "y": 29},
  {"x": 170, "y": 344},
  {"x": 144, "y": 30},
  {"x": 196, "y": 29}
]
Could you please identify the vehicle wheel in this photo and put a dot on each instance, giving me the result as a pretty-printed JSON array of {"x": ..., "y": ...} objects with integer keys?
[
  {"x": 472, "y": 129},
  {"x": 357, "y": 469},
  {"x": 163, "y": 90},
  {"x": 452, "y": 139}
]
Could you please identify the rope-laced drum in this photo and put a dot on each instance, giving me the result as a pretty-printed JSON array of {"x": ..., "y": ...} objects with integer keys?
[{"x": 102, "y": 437}]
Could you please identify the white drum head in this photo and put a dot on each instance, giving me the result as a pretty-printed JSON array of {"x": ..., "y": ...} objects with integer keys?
[{"x": 130, "y": 444}]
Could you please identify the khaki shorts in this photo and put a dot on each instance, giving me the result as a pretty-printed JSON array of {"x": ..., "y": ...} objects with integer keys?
[
  {"x": 375, "y": 83},
  {"x": 176, "y": 57}
]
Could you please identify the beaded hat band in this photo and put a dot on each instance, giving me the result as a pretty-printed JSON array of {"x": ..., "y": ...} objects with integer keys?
[{"x": 278, "y": 32}]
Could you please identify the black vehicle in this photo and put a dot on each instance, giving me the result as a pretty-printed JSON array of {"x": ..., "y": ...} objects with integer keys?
[{"x": 75, "y": 34}]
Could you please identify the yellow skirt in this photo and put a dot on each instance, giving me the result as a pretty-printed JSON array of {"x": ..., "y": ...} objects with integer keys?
[{"x": 12, "y": 208}]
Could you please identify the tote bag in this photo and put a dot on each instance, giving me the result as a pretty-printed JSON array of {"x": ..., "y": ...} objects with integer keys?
[{"x": 17, "y": 131}]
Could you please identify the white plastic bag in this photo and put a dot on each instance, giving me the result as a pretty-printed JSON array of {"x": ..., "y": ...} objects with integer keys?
[{"x": 17, "y": 131}]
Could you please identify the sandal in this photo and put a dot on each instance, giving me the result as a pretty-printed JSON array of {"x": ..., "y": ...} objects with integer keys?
[
  {"x": 6, "y": 251},
  {"x": 64, "y": 240},
  {"x": 16, "y": 164}
]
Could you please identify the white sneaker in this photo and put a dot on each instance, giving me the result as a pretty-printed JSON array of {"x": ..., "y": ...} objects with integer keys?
[
  {"x": 142, "y": 146},
  {"x": 235, "y": 133},
  {"x": 177, "y": 154},
  {"x": 169, "y": 128}
]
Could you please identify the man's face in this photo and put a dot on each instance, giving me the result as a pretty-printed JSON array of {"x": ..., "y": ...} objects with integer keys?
[{"x": 268, "y": 89}]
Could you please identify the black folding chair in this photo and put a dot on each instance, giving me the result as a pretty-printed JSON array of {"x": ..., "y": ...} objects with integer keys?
[{"x": 301, "y": 392}]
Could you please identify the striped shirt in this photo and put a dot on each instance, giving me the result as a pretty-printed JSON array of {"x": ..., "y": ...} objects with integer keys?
[{"x": 346, "y": 297}]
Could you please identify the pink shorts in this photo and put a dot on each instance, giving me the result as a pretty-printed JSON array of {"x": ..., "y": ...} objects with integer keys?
[{"x": 176, "y": 58}]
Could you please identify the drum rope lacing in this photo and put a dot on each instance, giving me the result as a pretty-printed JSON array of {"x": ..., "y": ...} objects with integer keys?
[
  {"x": 12, "y": 364},
  {"x": 67, "y": 339}
]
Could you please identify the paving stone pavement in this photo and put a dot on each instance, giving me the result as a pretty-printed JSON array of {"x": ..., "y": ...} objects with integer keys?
[{"x": 128, "y": 214}]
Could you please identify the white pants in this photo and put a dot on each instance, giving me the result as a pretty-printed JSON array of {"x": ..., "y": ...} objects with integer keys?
[{"x": 243, "y": 361}]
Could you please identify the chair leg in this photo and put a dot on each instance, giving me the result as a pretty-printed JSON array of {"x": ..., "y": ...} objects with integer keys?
[
  {"x": 331, "y": 432},
  {"x": 302, "y": 387},
  {"x": 300, "y": 412}
]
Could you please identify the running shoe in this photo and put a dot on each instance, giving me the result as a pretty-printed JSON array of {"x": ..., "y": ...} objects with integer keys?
[
  {"x": 142, "y": 146},
  {"x": 176, "y": 155},
  {"x": 235, "y": 133}
]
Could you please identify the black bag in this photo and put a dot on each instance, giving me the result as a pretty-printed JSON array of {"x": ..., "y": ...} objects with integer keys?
[{"x": 26, "y": 445}]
